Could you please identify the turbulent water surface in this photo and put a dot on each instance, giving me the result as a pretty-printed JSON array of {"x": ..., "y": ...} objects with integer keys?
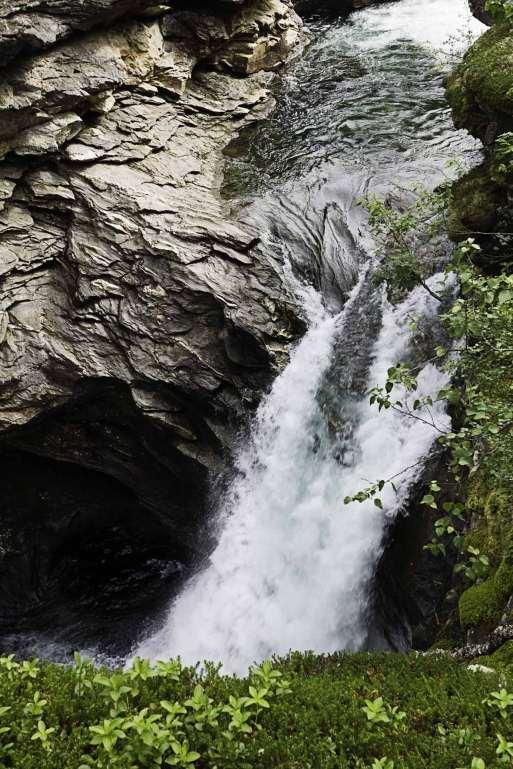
[{"x": 363, "y": 109}]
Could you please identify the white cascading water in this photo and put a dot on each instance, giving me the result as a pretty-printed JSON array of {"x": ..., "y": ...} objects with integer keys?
[{"x": 293, "y": 565}]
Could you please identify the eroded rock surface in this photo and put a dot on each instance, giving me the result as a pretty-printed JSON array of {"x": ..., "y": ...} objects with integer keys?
[
  {"x": 27, "y": 26},
  {"x": 122, "y": 267}
]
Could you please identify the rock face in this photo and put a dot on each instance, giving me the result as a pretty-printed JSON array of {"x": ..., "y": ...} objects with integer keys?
[
  {"x": 28, "y": 26},
  {"x": 478, "y": 9},
  {"x": 137, "y": 317},
  {"x": 480, "y": 92}
]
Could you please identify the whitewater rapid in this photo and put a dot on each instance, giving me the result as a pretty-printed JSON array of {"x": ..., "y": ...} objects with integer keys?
[
  {"x": 293, "y": 566},
  {"x": 293, "y": 563}
]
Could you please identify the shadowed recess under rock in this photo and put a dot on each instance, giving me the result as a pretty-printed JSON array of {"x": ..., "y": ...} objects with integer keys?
[{"x": 101, "y": 517}]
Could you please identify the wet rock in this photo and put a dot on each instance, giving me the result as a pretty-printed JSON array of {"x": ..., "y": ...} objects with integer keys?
[
  {"x": 478, "y": 9},
  {"x": 126, "y": 281},
  {"x": 499, "y": 636},
  {"x": 412, "y": 602}
]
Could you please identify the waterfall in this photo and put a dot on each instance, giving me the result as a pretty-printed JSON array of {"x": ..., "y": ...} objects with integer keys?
[{"x": 293, "y": 563}]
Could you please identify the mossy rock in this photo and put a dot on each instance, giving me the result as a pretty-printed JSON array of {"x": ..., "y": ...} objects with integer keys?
[
  {"x": 445, "y": 643},
  {"x": 480, "y": 206},
  {"x": 473, "y": 204},
  {"x": 483, "y": 605},
  {"x": 480, "y": 90},
  {"x": 499, "y": 660},
  {"x": 492, "y": 518},
  {"x": 503, "y": 657},
  {"x": 492, "y": 533}
]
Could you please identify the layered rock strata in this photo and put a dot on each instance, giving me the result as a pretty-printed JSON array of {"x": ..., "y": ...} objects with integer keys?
[{"x": 138, "y": 318}]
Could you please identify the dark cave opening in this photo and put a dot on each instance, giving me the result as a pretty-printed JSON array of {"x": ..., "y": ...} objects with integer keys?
[
  {"x": 81, "y": 557},
  {"x": 101, "y": 519}
]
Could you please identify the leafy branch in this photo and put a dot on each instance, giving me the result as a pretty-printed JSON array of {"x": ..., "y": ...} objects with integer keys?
[{"x": 479, "y": 323}]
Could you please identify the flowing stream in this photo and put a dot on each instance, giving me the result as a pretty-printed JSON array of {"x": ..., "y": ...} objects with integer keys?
[{"x": 363, "y": 109}]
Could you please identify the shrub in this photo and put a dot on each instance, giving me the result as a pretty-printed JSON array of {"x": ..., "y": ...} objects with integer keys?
[{"x": 301, "y": 712}]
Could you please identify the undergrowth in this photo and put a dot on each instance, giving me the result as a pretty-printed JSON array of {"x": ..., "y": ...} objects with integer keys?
[{"x": 302, "y": 712}]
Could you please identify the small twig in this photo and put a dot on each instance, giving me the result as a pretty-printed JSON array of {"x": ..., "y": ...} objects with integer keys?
[{"x": 419, "y": 419}]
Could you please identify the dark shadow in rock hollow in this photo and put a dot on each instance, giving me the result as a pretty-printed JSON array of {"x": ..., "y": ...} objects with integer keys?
[{"x": 101, "y": 518}]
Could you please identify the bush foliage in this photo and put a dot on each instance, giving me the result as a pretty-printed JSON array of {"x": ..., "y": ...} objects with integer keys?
[{"x": 303, "y": 712}]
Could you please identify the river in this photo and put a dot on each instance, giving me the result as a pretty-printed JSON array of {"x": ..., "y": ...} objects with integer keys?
[{"x": 362, "y": 109}]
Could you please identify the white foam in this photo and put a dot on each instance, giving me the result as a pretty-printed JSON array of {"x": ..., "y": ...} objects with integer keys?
[
  {"x": 293, "y": 564},
  {"x": 446, "y": 27}
]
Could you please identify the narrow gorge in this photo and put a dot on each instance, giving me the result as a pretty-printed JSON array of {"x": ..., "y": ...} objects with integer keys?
[
  {"x": 191, "y": 324},
  {"x": 175, "y": 215},
  {"x": 256, "y": 403}
]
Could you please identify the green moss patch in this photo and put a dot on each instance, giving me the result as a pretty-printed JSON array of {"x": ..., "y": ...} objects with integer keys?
[
  {"x": 503, "y": 657},
  {"x": 484, "y": 604},
  {"x": 492, "y": 517},
  {"x": 473, "y": 204},
  {"x": 500, "y": 661},
  {"x": 481, "y": 88}
]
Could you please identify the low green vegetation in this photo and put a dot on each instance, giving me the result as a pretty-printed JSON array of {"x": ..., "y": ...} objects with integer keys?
[
  {"x": 360, "y": 711},
  {"x": 501, "y": 10},
  {"x": 483, "y": 603},
  {"x": 500, "y": 659}
]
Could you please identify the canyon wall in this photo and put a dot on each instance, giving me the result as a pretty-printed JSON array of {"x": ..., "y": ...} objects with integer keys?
[{"x": 138, "y": 320}]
